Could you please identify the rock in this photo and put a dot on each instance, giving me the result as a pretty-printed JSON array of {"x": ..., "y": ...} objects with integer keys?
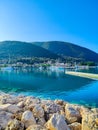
[
  {"x": 5, "y": 117},
  {"x": 10, "y": 108},
  {"x": 95, "y": 110},
  {"x": 28, "y": 118},
  {"x": 59, "y": 102},
  {"x": 15, "y": 125},
  {"x": 36, "y": 127},
  {"x": 3, "y": 101},
  {"x": 90, "y": 122},
  {"x": 72, "y": 113},
  {"x": 84, "y": 111},
  {"x": 75, "y": 126},
  {"x": 12, "y": 100},
  {"x": 20, "y": 104},
  {"x": 41, "y": 121},
  {"x": 18, "y": 115},
  {"x": 13, "y": 108},
  {"x": 4, "y": 107},
  {"x": 31, "y": 100},
  {"x": 7, "y": 99},
  {"x": 52, "y": 108},
  {"x": 57, "y": 122},
  {"x": 38, "y": 111},
  {"x": 3, "y": 98}
]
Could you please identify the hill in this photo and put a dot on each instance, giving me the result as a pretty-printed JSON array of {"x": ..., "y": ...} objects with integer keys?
[
  {"x": 66, "y": 49},
  {"x": 23, "y": 49}
]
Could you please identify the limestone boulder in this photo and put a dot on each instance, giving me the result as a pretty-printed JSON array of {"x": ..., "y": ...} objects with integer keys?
[
  {"x": 38, "y": 111},
  {"x": 75, "y": 126},
  {"x": 15, "y": 125},
  {"x": 52, "y": 108},
  {"x": 57, "y": 122},
  {"x": 41, "y": 121},
  {"x": 95, "y": 110},
  {"x": 5, "y": 117},
  {"x": 20, "y": 104},
  {"x": 72, "y": 113},
  {"x": 36, "y": 127},
  {"x": 90, "y": 121},
  {"x": 8, "y": 99},
  {"x": 28, "y": 118},
  {"x": 9, "y": 108},
  {"x": 31, "y": 101},
  {"x": 13, "y": 108}
]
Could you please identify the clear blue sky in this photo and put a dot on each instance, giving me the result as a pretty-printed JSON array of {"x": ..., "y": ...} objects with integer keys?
[{"x": 75, "y": 21}]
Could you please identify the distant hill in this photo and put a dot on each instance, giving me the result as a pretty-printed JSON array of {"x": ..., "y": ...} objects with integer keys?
[
  {"x": 23, "y": 49},
  {"x": 66, "y": 49},
  {"x": 52, "y": 49}
]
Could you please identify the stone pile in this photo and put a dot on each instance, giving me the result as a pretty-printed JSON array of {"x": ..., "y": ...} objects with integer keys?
[{"x": 30, "y": 113}]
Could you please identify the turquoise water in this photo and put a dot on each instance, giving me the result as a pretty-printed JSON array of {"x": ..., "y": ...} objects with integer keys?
[
  {"x": 90, "y": 70},
  {"x": 50, "y": 85}
]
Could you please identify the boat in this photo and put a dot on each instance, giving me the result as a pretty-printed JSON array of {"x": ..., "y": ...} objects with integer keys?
[{"x": 7, "y": 68}]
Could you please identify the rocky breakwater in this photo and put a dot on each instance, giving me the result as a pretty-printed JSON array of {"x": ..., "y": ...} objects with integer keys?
[{"x": 30, "y": 113}]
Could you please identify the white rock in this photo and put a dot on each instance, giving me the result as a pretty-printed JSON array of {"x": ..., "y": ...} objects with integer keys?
[
  {"x": 20, "y": 104},
  {"x": 4, "y": 107},
  {"x": 28, "y": 118},
  {"x": 38, "y": 111},
  {"x": 10, "y": 108},
  {"x": 90, "y": 121},
  {"x": 52, "y": 108},
  {"x": 72, "y": 113},
  {"x": 13, "y": 108},
  {"x": 57, "y": 122},
  {"x": 75, "y": 126},
  {"x": 41, "y": 121},
  {"x": 31, "y": 101},
  {"x": 36, "y": 127},
  {"x": 5, "y": 117},
  {"x": 15, "y": 125}
]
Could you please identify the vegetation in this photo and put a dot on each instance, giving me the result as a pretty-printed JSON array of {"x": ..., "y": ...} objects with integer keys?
[
  {"x": 66, "y": 49},
  {"x": 89, "y": 63},
  {"x": 44, "y": 52},
  {"x": 22, "y": 49}
]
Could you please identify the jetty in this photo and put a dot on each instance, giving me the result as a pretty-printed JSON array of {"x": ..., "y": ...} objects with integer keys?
[{"x": 82, "y": 74}]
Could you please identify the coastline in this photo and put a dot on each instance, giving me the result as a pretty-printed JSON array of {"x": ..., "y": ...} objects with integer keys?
[{"x": 32, "y": 113}]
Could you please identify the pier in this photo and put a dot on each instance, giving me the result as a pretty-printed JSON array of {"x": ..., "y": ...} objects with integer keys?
[{"x": 82, "y": 74}]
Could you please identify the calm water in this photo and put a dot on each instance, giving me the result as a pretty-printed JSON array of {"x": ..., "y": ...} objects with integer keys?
[
  {"x": 51, "y": 85},
  {"x": 91, "y": 70}
]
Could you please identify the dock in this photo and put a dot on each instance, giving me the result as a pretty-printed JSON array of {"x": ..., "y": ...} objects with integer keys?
[{"x": 82, "y": 74}]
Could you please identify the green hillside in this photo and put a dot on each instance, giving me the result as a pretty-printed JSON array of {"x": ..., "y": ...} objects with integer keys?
[
  {"x": 52, "y": 49},
  {"x": 66, "y": 49},
  {"x": 23, "y": 49}
]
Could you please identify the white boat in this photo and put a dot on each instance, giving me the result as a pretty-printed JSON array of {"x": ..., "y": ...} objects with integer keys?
[{"x": 8, "y": 68}]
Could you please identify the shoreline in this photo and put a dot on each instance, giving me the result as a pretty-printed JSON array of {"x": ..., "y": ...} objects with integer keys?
[
  {"x": 27, "y": 94},
  {"x": 32, "y": 113}
]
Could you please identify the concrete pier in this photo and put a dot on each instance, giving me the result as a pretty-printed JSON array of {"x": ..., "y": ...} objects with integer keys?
[{"x": 81, "y": 74}]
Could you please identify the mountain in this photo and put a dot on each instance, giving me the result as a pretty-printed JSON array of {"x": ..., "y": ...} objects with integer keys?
[
  {"x": 23, "y": 49},
  {"x": 52, "y": 49},
  {"x": 66, "y": 49}
]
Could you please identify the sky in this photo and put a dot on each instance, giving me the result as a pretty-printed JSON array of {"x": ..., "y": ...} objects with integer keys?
[{"x": 74, "y": 21}]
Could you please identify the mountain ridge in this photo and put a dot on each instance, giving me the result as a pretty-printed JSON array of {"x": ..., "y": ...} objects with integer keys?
[
  {"x": 23, "y": 49},
  {"x": 48, "y": 49},
  {"x": 69, "y": 49}
]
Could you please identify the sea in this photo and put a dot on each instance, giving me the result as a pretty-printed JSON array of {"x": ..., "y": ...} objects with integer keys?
[{"x": 51, "y": 84}]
